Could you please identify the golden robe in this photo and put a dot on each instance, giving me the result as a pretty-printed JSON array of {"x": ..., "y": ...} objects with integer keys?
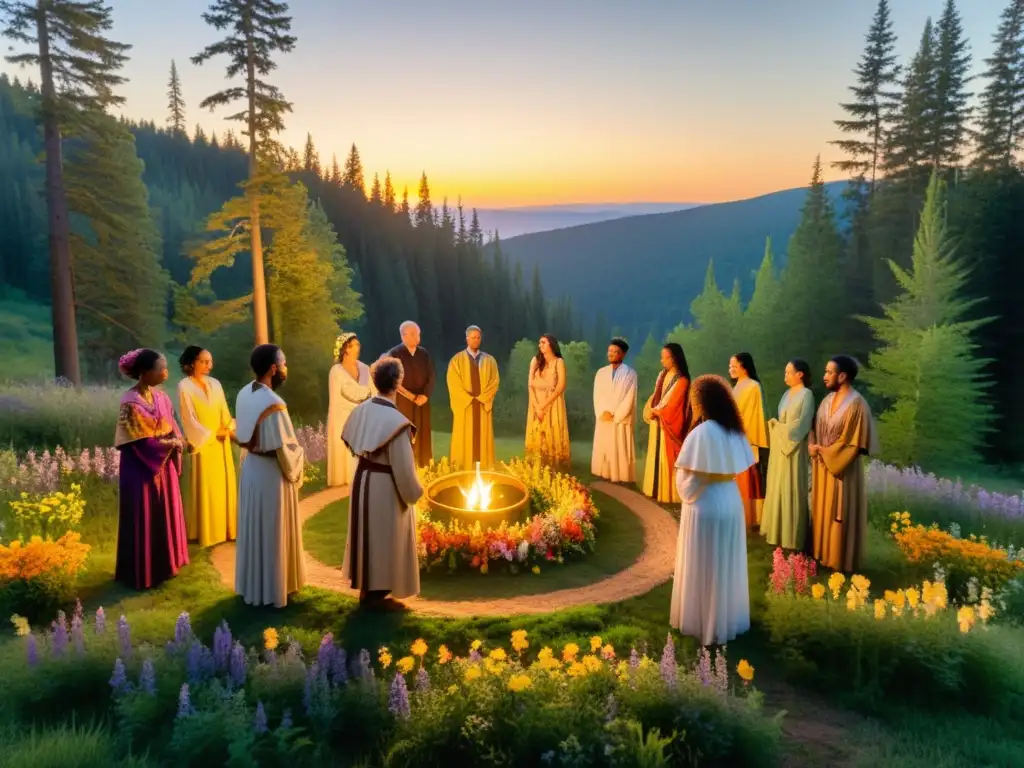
[
  {"x": 839, "y": 502},
  {"x": 667, "y": 435},
  {"x": 548, "y": 438},
  {"x": 472, "y": 386},
  {"x": 750, "y": 402},
  {"x": 209, "y": 484}
]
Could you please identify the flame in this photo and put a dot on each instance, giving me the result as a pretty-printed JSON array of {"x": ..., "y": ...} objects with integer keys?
[{"x": 478, "y": 498}]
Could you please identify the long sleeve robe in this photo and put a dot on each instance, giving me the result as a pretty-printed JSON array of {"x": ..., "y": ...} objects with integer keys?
[
  {"x": 614, "y": 454},
  {"x": 270, "y": 562},
  {"x": 668, "y": 432},
  {"x": 750, "y": 402},
  {"x": 472, "y": 387},
  {"x": 380, "y": 547},
  {"x": 785, "y": 518},
  {"x": 419, "y": 380},
  {"x": 839, "y": 502},
  {"x": 345, "y": 394}
]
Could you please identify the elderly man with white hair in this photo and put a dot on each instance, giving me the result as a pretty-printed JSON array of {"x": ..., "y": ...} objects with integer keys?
[{"x": 413, "y": 399}]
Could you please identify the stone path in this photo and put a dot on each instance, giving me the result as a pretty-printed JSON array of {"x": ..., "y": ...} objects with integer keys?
[{"x": 654, "y": 566}]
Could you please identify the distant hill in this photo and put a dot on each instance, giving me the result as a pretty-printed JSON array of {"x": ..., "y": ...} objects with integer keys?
[
  {"x": 643, "y": 271},
  {"x": 509, "y": 222}
]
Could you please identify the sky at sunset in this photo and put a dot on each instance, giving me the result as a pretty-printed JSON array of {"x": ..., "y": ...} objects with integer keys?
[{"x": 521, "y": 102}]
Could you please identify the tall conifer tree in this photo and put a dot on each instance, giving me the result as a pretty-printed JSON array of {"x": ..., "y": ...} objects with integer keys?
[
  {"x": 951, "y": 113},
  {"x": 375, "y": 191},
  {"x": 389, "y": 193},
  {"x": 424, "y": 208},
  {"x": 79, "y": 70},
  {"x": 353, "y": 177},
  {"x": 258, "y": 30},
  {"x": 335, "y": 171},
  {"x": 1001, "y": 125},
  {"x": 310, "y": 157},
  {"x": 908, "y": 142},
  {"x": 175, "y": 103}
]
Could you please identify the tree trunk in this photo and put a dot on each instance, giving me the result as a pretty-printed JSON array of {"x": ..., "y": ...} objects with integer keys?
[
  {"x": 259, "y": 286},
  {"x": 62, "y": 289}
]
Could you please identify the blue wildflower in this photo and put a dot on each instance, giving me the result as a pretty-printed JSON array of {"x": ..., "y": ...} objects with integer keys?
[
  {"x": 77, "y": 635},
  {"x": 668, "y": 662},
  {"x": 184, "y": 702},
  {"x": 101, "y": 621},
  {"x": 79, "y": 613},
  {"x": 119, "y": 680},
  {"x": 147, "y": 678},
  {"x": 286, "y": 720},
  {"x": 124, "y": 636},
  {"x": 260, "y": 724},
  {"x": 325, "y": 654},
  {"x": 182, "y": 630},
  {"x": 339, "y": 667},
  {"x": 422, "y": 680},
  {"x": 238, "y": 665},
  {"x": 31, "y": 650},
  {"x": 398, "y": 698},
  {"x": 222, "y": 646},
  {"x": 60, "y": 636}
]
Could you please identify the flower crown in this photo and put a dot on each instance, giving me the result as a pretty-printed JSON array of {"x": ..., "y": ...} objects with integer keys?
[
  {"x": 341, "y": 341},
  {"x": 126, "y": 363}
]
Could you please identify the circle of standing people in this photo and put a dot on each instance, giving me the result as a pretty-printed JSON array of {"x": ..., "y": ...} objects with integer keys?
[{"x": 797, "y": 477}]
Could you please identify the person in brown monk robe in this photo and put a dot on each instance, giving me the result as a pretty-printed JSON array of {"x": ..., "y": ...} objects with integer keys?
[{"x": 413, "y": 399}]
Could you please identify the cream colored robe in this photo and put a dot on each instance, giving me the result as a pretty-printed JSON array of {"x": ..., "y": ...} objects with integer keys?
[
  {"x": 270, "y": 562},
  {"x": 614, "y": 454},
  {"x": 380, "y": 547},
  {"x": 345, "y": 393},
  {"x": 472, "y": 386},
  {"x": 839, "y": 500}
]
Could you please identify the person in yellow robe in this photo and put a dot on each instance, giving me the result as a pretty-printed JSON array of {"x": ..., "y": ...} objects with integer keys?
[
  {"x": 547, "y": 422},
  {"x": 472, "y": 386},
  {"x": 750, "y": 401},
  {"x": 844, "y": 432},
  {"x": 211, "y": 491},
  {"x": 669, "y": 413}
]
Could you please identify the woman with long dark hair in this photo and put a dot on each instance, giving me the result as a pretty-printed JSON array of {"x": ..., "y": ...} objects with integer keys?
[
  {"x": 211, "y": 490},
  {"x": 750, "y": 401},
  {"x": 547, "y": 422},
  {"x": 668, "y": 413},
  {"x": 349, "y": 384},
  {"x": 786, "y": 511},
  {"x": 710, "y": 600}
]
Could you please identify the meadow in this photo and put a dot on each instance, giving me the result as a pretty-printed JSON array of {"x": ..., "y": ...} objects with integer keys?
[{"x": 939, "y": 683}]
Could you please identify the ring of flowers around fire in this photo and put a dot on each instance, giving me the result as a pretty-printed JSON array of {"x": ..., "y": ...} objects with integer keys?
[{"x": 560, "y": 525}]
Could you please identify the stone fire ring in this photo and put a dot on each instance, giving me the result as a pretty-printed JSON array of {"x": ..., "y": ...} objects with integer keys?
[{"x": 654, "y": 567}]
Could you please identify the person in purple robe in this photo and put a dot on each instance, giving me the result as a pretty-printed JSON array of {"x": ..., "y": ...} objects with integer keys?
[{"x": 151, "y": 540}]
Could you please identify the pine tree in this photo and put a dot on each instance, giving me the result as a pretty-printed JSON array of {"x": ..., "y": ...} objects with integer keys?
[
  {"x": 949, "y": 120},
  {"x": 389, "y": 193},
  {"x": 335, "y": 171},
  {"x": 405, "y": 210},
  {"x": 1001, "y": 126},
  {"x": 424, "y": 215},
  {"x": 874, "y": 102},
  {"x": 79, "y": 69},
  {"x": 175, "y": 103},
  {"x": 310, "y": 158},
  {"x": 926, "y": 366},
  {"x": 353, "y": 176},
  {"x": 375, "y": 192},
  {"x": 908, "y": 142},
  {"x": 259, "y": 29},
  {"x": 199, "y": 136}
]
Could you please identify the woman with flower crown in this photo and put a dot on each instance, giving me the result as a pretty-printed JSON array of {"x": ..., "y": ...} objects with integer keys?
[
  {"x": 350, "y": 384},
  {"x": 151, "y": 541}
]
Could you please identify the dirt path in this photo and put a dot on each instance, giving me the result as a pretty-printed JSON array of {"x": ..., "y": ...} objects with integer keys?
[{"x": 654, "y": 566}]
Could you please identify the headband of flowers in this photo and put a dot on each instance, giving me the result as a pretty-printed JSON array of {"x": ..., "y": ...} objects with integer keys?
[
  {"x": 341, "y": 341},
  {"x": 126, "y": 363}
]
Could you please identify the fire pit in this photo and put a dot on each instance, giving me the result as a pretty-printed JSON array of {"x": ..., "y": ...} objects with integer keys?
[{"x": 487, "y": 497}]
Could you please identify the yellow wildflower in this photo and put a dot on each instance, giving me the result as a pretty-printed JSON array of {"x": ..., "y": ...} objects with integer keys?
[
  {"x": 519, "y": 641},
  {"x": 880, "y": 606},
  {"x": 745, "y": 670},
  {"x": 475, "y": 645},
  {"x": 595, "y": 643},
  {"x": 453, "y": 689},
  {"x": 518, "y": 683},
  {"x": 965, "y": 618},
  {"x": 419, "y": 648},
  {"x": 818, "y": 591},
  {"x": 444, "y": 655},
  {"x": 405, "y": 665},
  {"x": 384, "y": 657},
  {"x": 536, "y": 570},
  {"x": 592, "y": 663},
  {"x": 985, "y": 611},
  {"x": 493, "y": 666},
  {"x": 270, "y": 638},
  {"x": 608, "y": 652},
  {"x": 860, "y": 583},
  {"x": 498, "y": 654},
  {"x": 913, "y": 597},
  {"x": 851, "y": 599},
  {"x": 472, "y": 673},
  {"x": 570, "y": 651},
  {"x": 647, "y": 663},
  {"x": 21, "y": 627},
  {"x": 576, "y": 669},
  {"x": 835, "y": 583}
]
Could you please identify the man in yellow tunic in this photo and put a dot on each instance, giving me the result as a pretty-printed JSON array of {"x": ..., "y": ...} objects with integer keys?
[
  {"x": 843, "y": 433},
  {"x": 472, "y": 386}
]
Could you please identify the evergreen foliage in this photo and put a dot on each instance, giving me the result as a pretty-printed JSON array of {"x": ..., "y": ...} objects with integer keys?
[
  {"x": 1001, "y": 125},
  {"x": 175, "y": 103}
]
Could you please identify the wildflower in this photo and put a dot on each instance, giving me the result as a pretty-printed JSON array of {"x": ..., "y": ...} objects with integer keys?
[
  {"x": 60, "y": 637},
  {"x": 119, "y": 680},
  {"x": 124, "y": 636},
  {"x": 595, "y": 643},
  {"x": 222, "y": 646},
  {"x": 519, "y": 641},
  {"x": 569, "y": 652},
  {"x": 519, "y": 683},
  {"x": 364, "y": 668},
  {"x": 238, "y": 665},
  {"x": 745, "y": 671},
  {"x": 286, "y": 720},
  {"x": 472, "y": 673},
  {"x": 703, "y": 667},
  {"x": 325, "y": 653},
  {"x": 577, "y": 669},
  {"x": 422, "y": 680},
  {"x": 780, "y": 571},
  {"x": 77, "y": 636},
  {"x": 384, "y": 657},
  {"x": 818, "y": 591},
  {"x": 182, "y": 630},
  {"x": 721, "y": 676},
  {"x": 270, "y": 639},
  {"x": 21, "y": 627},
  {"x": 592, "y": 663},
  {"x": 913, "y": 597},
  {"x": 475, "y": 645},
  {"x": 668, "y": 662},
  {"x": 452, "y": 689},
  {"x": 965, "y": 618},
  {"x": 196, "y": 662},
  {"x": 880, "y": 609},
  {"x": 147, "y": 678},
  {"x": 184, "y": 702},
  {"x": 835, "y": 583},
  {"x": 405, "y": 665},
  {"x": 260, "y": 722},
  {"x": 634, "y": 659},
  {"x": 498, "y": 654},
  {"x": 398, "y": 698},
  {"x": 444, "y": 655},
  {"x": 608, "y": 652},
  {"x": 536, "y": 570},
  {"x": 419, "y": 648},
  {"x": 339, "y": 667},
  {"x": 101, "y": 621}
]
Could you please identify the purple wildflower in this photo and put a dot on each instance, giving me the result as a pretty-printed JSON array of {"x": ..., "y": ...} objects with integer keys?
[
  {"x": 325, "y": 654},
  {"x": 422, "y": 680},
  {"x": 721, "y": 672},
  {"x": 124, "y": 636},
  {"x": 119, "y": 680},
  {"x": 31, "y": 650},
  {"x": 339, "y": 667},
  {"x": 286, "y": 720},
  {"x": 634, "y": 659},
  {"x": 147, "y": 678},
  {"x": 260, "y": 724},
  {"x": 669, "y": 669},
  {"x": 222, "y": 646},
  {"x": 198, "y": 662},
  {"x": 238, "y": 666},
  {"x": 101, "y": 621},
  {"x": 702, "y": 668},
  {"x": 182, "y": 630},
  {"x": 474, "y": 656},
  {"x": 364, "y": 668},
  {"x": 60, "y": 637},
  {"x": 314, "y": 689},
  {"x": 398, "y": 698},
  {"x": 79, "y": 613},
  {"x": 184, "y": 702},
  {"x": 77, "y": 635}
]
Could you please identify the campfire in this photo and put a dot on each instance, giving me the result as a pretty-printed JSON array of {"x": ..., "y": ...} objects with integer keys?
[
  {"x": 478, "y": 497},
  {"x": 488, "y": 497}
]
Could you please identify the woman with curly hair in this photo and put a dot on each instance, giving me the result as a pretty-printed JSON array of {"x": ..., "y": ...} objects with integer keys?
[
  {"x": 710, "y": 600},
  {"x": 151, "y": 542},
  {"x": 211, "y": 490},
  {"x": 547, "y": 423},
  {"x": 350, "y": 384}
]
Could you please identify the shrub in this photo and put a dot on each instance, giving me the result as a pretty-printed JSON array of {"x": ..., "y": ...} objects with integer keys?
[{"x": 38, "y": 576}]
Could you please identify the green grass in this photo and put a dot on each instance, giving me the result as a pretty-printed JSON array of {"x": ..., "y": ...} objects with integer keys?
[
  {"x": 26, "y": 340},
  {"x": 620, "y": 541}
]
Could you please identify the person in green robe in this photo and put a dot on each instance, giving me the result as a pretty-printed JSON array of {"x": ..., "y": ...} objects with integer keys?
[{"x": 786, "y": 510}]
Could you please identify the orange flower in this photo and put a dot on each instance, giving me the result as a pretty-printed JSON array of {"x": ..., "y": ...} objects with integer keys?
[{"x": 37, "y": 558}]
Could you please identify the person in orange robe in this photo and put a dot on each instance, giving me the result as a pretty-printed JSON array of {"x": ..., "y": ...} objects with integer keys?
[
  {"x": 668, "y": 414},
  {"x": 750, "y": 401}
]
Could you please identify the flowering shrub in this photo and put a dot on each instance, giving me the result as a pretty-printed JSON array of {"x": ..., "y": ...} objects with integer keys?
[
  {"x": 411, "y": 706},
  {"x": 42, "y": 514},
  {"x": 562, "y": 524},
  {"x": 910, "y": 643},
  {"x": 42, "y": 472},
  {"x": 960, "y": 559},
  {"x": 37, "y": 576},
  {"x": 901, "y": 485}
]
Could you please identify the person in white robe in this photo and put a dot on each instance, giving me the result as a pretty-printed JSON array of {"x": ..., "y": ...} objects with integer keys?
[
  {"x": 710, "y": 601},
  {"x": 349, "y": 384},
  {"x": 270, "y": 563},
  {"x": 615, "y": 388},
  {"x": 381, "y": 554}
]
